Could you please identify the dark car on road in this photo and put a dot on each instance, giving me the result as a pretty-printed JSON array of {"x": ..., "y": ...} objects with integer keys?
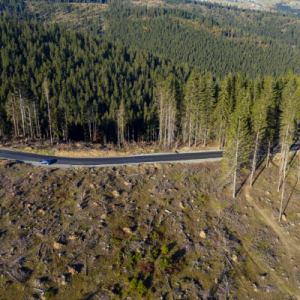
[{"x": 47, "y": 162}]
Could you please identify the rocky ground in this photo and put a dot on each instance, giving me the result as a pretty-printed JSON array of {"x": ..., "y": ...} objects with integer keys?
[{"x": 168, "y": 231}]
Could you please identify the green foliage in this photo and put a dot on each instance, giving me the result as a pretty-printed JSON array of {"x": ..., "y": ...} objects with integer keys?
[
  {"x": 49, "y": 294},
  {"x": 164, "y": 249},
  {"x": 238, "y": 143},
  {"x": 134, "y": 282},
  {"x": 87, "y": 79},
  {"x": 154, "y": 255},
  {"x": 154, "y": 235},
  {"x": 138, "y": 256},
  {"x": 116, "y": 240},
  {"x": 141, "y": 288},
  {"x": 165, "y": 262}
]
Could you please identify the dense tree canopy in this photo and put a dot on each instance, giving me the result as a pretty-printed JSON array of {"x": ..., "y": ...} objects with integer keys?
[{"x": 87, "y": 79}]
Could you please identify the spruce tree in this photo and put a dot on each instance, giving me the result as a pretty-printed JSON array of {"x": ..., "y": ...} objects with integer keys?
[
  {"x": 238, "y": 145},
  {"x": 290, "y": 109},
  {"x": 223, "y": 111},
  {"x": 259, "y": 120}
]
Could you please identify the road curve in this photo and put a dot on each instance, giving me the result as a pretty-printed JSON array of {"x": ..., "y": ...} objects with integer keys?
[{"x": 156, "y": 158}]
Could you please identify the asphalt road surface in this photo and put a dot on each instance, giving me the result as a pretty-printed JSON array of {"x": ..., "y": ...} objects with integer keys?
[{"x": 180, "y": 157}]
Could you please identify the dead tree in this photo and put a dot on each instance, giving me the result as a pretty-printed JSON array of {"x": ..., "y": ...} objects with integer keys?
[{"x": 46, "y": 89}]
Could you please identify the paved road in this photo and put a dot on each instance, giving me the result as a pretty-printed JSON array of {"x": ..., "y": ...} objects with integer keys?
[
  {"x": 191, "y": 156},
  {"x": 67, "y": 161}
]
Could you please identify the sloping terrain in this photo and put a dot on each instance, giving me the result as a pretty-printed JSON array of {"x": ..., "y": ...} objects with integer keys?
[{"x": 151, "y": 232}]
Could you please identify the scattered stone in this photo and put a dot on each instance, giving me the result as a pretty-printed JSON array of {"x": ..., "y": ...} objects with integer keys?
[
  {"x": 116, "y": 193},
  {"x": 42, "y": 211},
  {"x": 128, "y": 230},
  {"x": 57, "y": 245},
  {"x": 202, "y": 234},
  {"x": 72, "y": 237},
  {"x": 72, "y": 270},
  {"x": 61, "y": 280}
]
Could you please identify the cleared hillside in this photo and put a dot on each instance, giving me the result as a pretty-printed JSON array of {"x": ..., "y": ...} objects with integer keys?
[{"x": 169, "y": 231}]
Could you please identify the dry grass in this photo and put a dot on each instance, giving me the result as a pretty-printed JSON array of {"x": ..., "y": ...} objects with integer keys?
[{"x": 112, "y": 220}]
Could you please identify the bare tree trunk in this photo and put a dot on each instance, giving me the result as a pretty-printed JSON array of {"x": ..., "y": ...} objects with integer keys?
[
  {"x": 22, "y": 110},
  {"x": 161, "y": 116},
  {"x": 254, "y": 159},
  {"x": 66, "y": 125},
  {"x": 206, "y": 137},
  {"x": 268, "y": 155},
  {"x": 29, "y": 115},
  {"x": 195, "y": 144},
  {"x": 190, "y": 131},
  {"x": 235, "y": 168},
  {"x": 35, "y": 118},
  {"x": 89, "y": 122},
  {"x": 118, "y": 134},
  {"x": 166, "y": 126},
  {"x": 299, "y": 168},
  {"x": 282, "y": 159},
  {"x": 48, "y": 103},
  {"x": 170, "y": 127},
  {"x": 283, "y": 182},
  {"x": 132, "y": 134},
  {"x": 14, "y": 114},
  {"x": 220, "y": 136}
]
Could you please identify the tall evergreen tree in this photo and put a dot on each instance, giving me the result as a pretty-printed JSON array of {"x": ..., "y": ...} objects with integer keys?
[
  {"x": 290, "y": 107},
  {"x": 259, "y": 120},
  {"x": 238, "y": 144}
]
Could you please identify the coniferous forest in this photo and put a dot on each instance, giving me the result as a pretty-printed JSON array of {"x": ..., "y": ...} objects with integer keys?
[{"x": 66, "y": 83}]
